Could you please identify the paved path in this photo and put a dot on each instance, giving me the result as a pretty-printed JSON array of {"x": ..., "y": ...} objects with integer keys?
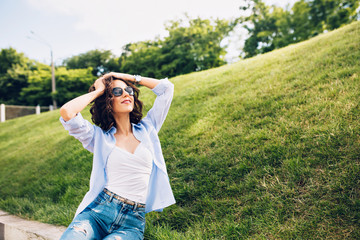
[{"x": 12, "y": 227}]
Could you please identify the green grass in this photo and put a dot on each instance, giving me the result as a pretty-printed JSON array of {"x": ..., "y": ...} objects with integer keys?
[{"x": 266, "y": 148}]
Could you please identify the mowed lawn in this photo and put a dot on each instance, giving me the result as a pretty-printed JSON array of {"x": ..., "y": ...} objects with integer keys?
[{"x": 266, "y": 148}]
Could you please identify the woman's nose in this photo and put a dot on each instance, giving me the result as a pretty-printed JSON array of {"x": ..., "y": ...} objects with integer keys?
[{"x": 126, "y": 94}]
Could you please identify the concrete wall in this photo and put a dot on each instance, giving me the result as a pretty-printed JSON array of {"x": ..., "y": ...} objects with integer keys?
[{"x": 12, "y": 227}]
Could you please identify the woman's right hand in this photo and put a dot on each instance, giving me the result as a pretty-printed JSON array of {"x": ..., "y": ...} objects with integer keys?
[
  {"x": 76, "y": 105},
  {"x": 99, "y": 85}
]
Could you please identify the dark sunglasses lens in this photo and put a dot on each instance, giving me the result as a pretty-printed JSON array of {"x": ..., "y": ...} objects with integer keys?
[
  {"x": 117, "y": 91},
  {"x": 129, "y": 90}
]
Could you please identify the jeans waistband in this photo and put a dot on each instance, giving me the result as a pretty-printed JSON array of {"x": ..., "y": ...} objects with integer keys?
[{"x": 124, "y": 200}]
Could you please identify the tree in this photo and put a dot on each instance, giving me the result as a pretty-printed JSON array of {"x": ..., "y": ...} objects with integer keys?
[
  {"x": 14, "y": 72},
  {"x": 38, "y": 90},
  {"x": 191, "y": 45},
  {"x": 99, "y": 60},
  {"x": 300, "y": 25},
  {"x": 269, "y": 28},
  {"x": 332, "y": 14},
  {"x": 69, "y": 84},
  {"x": 262, "y": 28},
  {"x": 72, "y": 83},
  {"x": 272, "y": 27},
  {"x": 195, "y": 47},
  {"x": 142, "y": 58},
  {"x": 28, "y": 82}
]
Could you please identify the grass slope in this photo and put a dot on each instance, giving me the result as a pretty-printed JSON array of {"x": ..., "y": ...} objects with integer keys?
[{"x": 266, "y": 148}]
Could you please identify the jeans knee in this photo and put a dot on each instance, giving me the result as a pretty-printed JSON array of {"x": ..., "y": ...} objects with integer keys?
[{"x": 79, "y": 229}]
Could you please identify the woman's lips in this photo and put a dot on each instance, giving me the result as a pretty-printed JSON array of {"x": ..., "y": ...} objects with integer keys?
[{"x": 126, "y": 102}]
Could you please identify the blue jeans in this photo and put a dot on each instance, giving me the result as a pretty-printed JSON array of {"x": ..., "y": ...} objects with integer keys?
[{"x": 107, "y": 218}]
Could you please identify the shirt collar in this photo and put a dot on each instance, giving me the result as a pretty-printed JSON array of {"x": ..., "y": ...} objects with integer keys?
[
  {"x": 135, "y": 129},
  {"x": 112, "y": 130}
]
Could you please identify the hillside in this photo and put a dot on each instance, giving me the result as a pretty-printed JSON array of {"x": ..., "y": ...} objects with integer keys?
[{"x": 266, "y": 148}]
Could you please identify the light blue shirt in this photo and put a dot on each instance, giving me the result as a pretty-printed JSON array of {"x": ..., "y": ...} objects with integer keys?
[{"x": 101, "y": 143}]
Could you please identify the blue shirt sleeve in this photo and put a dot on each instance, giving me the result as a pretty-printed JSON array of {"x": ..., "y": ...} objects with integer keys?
[
  {"x": 157, "y": 114},
  {"x": 82, "y": 130}
]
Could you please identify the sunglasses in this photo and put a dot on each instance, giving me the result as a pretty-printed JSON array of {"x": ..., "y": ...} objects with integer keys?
[{"x": 118, "y": 91}]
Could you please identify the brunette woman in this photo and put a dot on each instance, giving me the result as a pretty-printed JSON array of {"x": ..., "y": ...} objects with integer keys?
[{"x": 129, "y": 176}]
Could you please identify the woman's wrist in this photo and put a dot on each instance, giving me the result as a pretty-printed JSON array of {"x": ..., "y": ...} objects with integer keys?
[
  {"x": 131, "y": 78},
  {"x": 124, "y": 76},
  {"x": 99, "y": 92}
]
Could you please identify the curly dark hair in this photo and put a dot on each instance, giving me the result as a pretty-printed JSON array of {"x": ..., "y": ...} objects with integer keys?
[{"x": 102, "y": 110}]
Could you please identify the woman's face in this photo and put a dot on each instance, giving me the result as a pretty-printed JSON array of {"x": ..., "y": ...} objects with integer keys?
[{"x": 123, "y": 103}]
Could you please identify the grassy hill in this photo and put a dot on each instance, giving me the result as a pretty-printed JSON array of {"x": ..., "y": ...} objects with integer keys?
[{"x": 266, "y": 148}]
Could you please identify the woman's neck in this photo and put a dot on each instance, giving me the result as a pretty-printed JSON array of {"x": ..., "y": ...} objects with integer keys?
[{"x": 123, "y": 125}]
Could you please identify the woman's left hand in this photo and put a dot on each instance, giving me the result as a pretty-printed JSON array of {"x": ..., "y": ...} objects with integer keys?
[{"x": 123, "y": 76}]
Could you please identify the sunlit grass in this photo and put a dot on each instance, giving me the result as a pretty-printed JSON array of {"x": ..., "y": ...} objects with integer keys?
[{"x": 266, "y": 148}]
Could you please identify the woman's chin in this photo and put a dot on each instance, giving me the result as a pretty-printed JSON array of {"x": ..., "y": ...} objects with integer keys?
[{"x": 124, "y": 110}]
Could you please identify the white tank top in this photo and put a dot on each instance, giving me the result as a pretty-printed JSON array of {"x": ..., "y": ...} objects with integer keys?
[{"x": 128, "y": 174}]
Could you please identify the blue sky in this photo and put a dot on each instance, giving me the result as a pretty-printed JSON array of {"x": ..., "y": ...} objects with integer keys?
[{"x": 72, "y": 27}]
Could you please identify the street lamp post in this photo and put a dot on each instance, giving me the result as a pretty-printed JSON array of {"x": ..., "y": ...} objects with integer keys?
[{"x": 53, "y": 83}]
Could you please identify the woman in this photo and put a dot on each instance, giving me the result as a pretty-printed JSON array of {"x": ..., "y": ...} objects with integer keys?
[{"x": 129, "y": 176}]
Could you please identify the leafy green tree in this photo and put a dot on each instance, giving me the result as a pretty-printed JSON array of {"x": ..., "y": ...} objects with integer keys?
[
  {"x": 300, "y": 25},
  {"x": 27, "y": 82},
  {"x": 195, "y": 47},
  {"x": 99, "y": 60},
  {"x": 191, "y": 45},
  {"x": 10, "y": 57},
  {"x": 14, "y": 72},
  {"x": 38, "y": 90},
  {"x": 69, "y": 84},
  {"x": 262, "y": 28},
  {"x": 142, "y": 58},
  {"x": 332, "y": 14},
  {"x": 72, "y": 83},
  {"x": 272, "y": 27}
]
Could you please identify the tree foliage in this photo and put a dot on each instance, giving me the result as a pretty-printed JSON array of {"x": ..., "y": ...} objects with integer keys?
[
  {"x": 272, "y": 27},
  {"x": 69, "y": 84},
  {"x": 14, "y": 71},
  {"x": 141, "y": 58},
  {"x": 191, "y": 45},
  {"x": 99, "y": 60},
  {"x": 72, "y": 83},
  {"x": 27, "y": 82},
  {"x": 196, "y": 47}
]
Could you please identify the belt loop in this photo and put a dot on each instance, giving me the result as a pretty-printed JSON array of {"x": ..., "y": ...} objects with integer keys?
[
  {"x": 135, "y": 206},
  {"x": 111, "y": 197}
]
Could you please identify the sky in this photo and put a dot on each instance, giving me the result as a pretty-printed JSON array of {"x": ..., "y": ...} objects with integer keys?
[{"x": 72, "y": 27}]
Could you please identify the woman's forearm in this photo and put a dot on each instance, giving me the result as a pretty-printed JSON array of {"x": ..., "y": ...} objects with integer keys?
[
  {"x": 149, "y": 82},
  {"x": 145, "y": 81},
  {"x": 71, "y": 108}
]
